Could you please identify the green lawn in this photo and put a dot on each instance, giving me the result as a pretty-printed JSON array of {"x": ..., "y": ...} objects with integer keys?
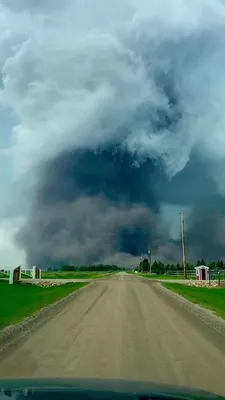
[
  {"x": 6, "y": 276},
  {"x": 155, "y": 276},
  {"x": 72, "y": 275},
  {"x": 211, "y": 298},
  {"x": 2, "y": 275},
  {"x": 19, "y": 301}
]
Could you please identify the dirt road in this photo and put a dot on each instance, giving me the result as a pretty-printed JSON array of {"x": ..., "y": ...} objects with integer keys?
[{"x": 123, "y": 327}]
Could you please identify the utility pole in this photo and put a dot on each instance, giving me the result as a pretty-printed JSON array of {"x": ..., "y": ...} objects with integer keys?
[
  {"x": 141, "y": 262},
  {"x": 150, "y": 259},
  {"x": 183, "y": 244}
]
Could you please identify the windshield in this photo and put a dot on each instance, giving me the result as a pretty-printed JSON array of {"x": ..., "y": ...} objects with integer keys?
[{"x": 112, "y": 191}]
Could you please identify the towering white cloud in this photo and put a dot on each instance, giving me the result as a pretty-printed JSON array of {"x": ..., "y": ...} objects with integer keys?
[
  {"x": 74, "y": 75},
  {"x": 148, "y": 76}
]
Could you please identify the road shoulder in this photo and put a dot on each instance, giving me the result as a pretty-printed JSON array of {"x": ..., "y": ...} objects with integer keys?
[
  {"x": 13, "y": 334},
  {"x": 211, "y": 326}
]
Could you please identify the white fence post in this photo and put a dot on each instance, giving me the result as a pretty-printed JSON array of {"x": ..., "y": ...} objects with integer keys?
[
  {"x": 33, "y": 272},
  {"x": 11, "y": 276}
]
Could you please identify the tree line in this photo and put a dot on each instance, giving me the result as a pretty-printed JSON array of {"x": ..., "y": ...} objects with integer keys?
[
  {"x": 157, "y": 267},
  {"x": 160, "y": 268},
  {"x": 97, "y": 267}
]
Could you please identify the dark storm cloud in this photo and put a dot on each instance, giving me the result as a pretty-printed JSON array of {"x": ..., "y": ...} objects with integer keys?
[
  {"x": 191, "y": 186},
  {"x": 206, "y": 231},
  {"x": 108, "y": 172},
  {"x": 91, "y": 205},
  {"x": 87, "y": 230}
]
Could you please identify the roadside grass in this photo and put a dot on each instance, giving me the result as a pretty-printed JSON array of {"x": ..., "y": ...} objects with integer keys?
[
  {"x": 211, "y": 298},
  {"x": 25, "y": 276},
  {"x": 2, "y": 275},
  {"x": 6, "y": 276},
  {"x": 102, "y": 274},
  {"x": 155, "y": 276},
  {"x": 65, "y": 275},
  {"x": 165, "y": 277},
  {"x": 72, "y": 275},
  {"x": 21, "y": 300}
]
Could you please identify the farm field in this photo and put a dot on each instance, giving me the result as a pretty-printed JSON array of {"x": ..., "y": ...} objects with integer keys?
[
  {"x": 73, "y": 275},
  {"x": 164, "y": 276}
]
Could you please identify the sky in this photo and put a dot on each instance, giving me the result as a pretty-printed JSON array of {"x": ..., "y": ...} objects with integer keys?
[{"x": 111, "y": 121}]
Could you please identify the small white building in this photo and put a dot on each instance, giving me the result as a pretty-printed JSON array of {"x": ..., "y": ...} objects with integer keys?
[{"x": 202, "y": 273}]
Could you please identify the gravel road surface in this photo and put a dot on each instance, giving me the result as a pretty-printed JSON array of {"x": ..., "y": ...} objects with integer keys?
[{"x": 123, "y": 327}]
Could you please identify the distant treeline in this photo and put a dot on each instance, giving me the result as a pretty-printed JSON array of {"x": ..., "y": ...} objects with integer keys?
[
  {"x": 99, "y": 267},
  {"x": 159, "y": 268}
]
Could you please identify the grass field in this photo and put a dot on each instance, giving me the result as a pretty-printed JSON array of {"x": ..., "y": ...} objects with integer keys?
[
  {"x": 3, "y": 275},
  {"x": 6, "y": 276},
  {"x": 71, "y": 275},
  {"x": 211, "y": 298},
  {"x": 64, "y": 275},
  {"x": 20, "y": 301},
  {"x": 155, "y": 276}
]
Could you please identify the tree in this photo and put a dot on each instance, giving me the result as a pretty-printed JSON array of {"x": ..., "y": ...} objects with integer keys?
[
  {"x": 179, "y": 267},
  {"x": 144, "y": 265},
  {"x": 158, "y": 268},
  {"x": 99, "y": 267},
  {"x": 212, "y": 265},
  {"x": 190, "y": 266},
  {"x": 167, "y": 267},
  {"x": 161, "y": 268},
  {"x": 138, "y": 269},
  {"x": 155, "y": 267},
  {"x": 201, "y": 262},
  {"x": 219, "y": 264},
  {"x": 68, "y": 268}
]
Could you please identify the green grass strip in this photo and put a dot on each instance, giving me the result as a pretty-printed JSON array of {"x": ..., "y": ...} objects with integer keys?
[
  {"x": 211, "y": 298},
  {"x": 21, "y": 300},
  {"x": 71, "y": 275}
]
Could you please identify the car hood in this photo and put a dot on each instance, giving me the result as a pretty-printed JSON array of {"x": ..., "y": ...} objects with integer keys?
[{"x": 135, "y": 389}]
